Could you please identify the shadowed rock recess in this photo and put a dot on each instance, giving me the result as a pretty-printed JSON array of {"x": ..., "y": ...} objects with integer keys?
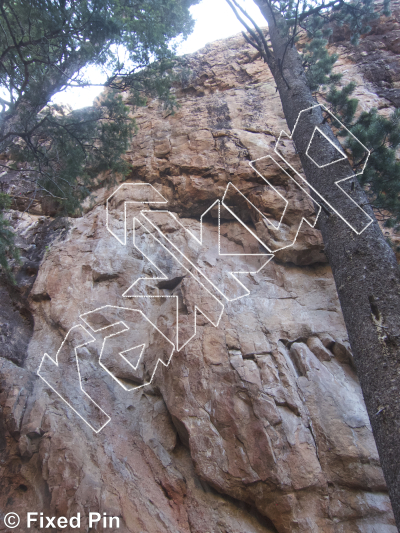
[{"x": 257, "y": 425}]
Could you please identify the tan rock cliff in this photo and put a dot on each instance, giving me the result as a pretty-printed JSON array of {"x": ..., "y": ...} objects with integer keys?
[{"x": 256, "y": 425}]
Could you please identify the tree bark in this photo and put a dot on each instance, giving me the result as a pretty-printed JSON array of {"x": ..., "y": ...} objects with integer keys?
[{"x": 364, "y": 266}]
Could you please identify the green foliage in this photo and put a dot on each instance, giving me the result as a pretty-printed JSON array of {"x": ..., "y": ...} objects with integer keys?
[
  {"x": 8, "y": 250},
  {"x": 45, "y": 47},
  {"x": 356, "y": 15},
  {"x": 381, "y": 177},
  {"x": 318, "y": 63},
  {"x": 341, "y": 104},
  {"x": 45, "y": 44},
  {"x": 72, "y": 149}
]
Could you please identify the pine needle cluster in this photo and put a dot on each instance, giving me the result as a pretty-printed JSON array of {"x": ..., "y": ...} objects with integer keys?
[
  {"x": 381, "y": 135},
  {"x": 45, "y": 47}
]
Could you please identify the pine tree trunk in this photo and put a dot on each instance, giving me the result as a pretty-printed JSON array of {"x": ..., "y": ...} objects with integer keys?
[{"x": 364, "y": 267}]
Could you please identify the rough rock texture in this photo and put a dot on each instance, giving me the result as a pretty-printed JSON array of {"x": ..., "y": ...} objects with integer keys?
[
  {"x": 257, "y": 425},
  {"x": 376, "y": 56}
]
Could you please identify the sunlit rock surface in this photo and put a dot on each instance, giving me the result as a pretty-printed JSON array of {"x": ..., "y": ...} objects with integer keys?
[{"x": 256, "y": 425}]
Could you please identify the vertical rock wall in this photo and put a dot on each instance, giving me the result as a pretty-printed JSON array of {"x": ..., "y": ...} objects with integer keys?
[{"x": 256, "y": 425}]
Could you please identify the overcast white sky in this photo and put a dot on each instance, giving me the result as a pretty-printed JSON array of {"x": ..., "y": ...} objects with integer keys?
[{"x": 214, "y": 20}]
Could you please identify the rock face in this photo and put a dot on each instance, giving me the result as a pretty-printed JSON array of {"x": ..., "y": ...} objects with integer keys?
[{"x": 257, "y": 424}]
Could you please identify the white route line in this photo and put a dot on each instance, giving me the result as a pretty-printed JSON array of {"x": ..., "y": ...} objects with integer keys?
[
  {"x": 125, "y": 295},
  {"x": 232, "y": 273},
  {"x": 303, "y": 219},
  {"x": 336, "y": 182},
  {"x": 143, "y": 346},
  {"x": 199, "y": 241},
  {"x": 163, "y": 201},
  {"x": 344, "y": 156},
  {"x": 254, "y": 207},
  {"x": 79, "y": 374},
  {"x": 122, "y": 331}
]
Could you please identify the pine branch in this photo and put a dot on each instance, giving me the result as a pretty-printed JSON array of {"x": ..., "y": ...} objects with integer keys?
[
  {"x": 257, "y": 28},
  {"x": 261, "y": 44},
  {"x": 318, "y": 9}
]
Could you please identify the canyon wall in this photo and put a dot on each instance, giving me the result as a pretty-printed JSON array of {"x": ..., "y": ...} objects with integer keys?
[{"x": 256, "y": 423}]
